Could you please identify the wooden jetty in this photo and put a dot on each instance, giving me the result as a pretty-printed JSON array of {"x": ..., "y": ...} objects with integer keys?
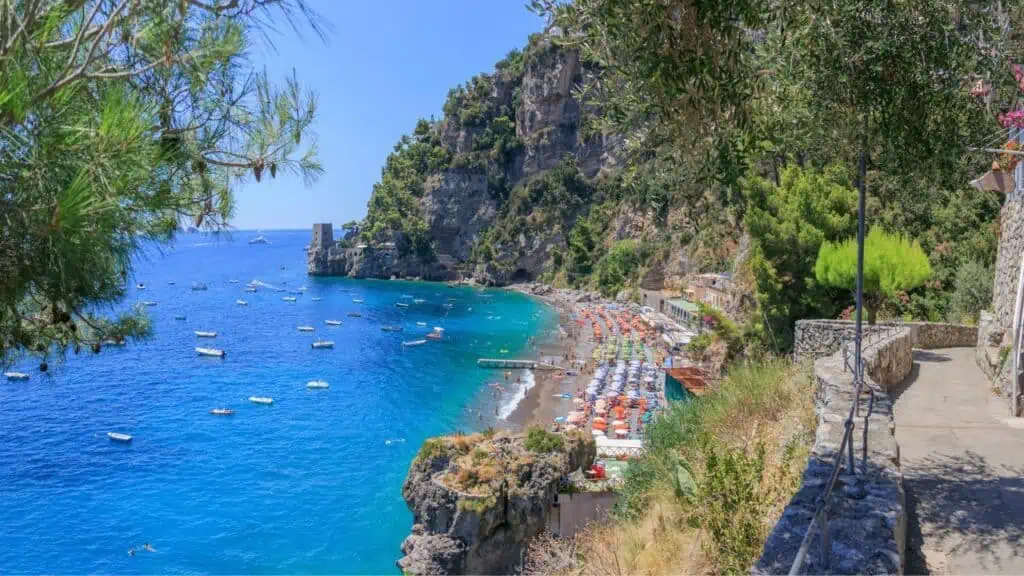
[{"x": 512, "y": 364}]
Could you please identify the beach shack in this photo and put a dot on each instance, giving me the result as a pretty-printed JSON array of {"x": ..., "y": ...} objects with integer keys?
[{"x": 683, "y": 384}]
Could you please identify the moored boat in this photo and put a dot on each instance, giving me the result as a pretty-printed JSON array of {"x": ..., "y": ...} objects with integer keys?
[
  {"x": 288, "y": 298},
  {"x": 265, "y": 400},
  {"x": 306, "y": 328},
  {"x": 401, "y": 304},
  {"x": 233, "y": 281},
  {"x": 179, "y": 316},
  {"x": 421, "y": 323},
  {"x": 119, "y": 437},
  {"x": 315, "y": 298},
  {"x": 418, "y": 301},
  {"x": 148, "y": 303},
  {"x": 222, "y": 412},
  {"x": 437, "y": 334},
  {"x": 355, "y": 315},
  {"x": 214, "y": 352},
  {"x": 317, "y": 384},
  {"x": 332, "y": 322},
  {"x": 241, "y": 302},
  {"x": 414, "y": 343},
  {"x": 140, "y": 286},
  {"x": 198, "y": 286},
  {"x": 323, "y": 344},
  {"x": 201, "y": 334},
  {"x": 358, "y": 300},
  {"x": 15, "y": 375},
  {"x": 391, "y": 328},
  {"x": 249, "y": 289}
]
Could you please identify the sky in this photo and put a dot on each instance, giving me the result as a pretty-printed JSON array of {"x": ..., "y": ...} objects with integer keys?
[{"x": 385, "y": 64}]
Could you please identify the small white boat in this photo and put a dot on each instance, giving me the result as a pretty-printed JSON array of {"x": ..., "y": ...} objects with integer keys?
[
  {"x": 437, "y": 334},
  {"x": 198, "y": 286},
  {"x": 418, "y": 301},
  {"x": 266, "y": 400},
  {"x": 355, "y": 315},
  {"x": 140, "y": 286},
  {"x": 241, "y": 302},
  {"x": 401, "y": 304},
  {"x": 408, "y": 296},
  {"x": 15, "y": 375},
  {"x": 317, "y": 384},
  {"x": 222, "y": 412},
  {"x": 446, "y": 306},
  {"x": 170, "y": 283},
  {"x": 249, "y": 289},
  {"x": 421, "y": 323},
  {"x": 232, "y": 281},
  {"x": 114, "y": 343},
  {"x": 358, "y": 300},
  {"x": 148, "y": 303},
  {"x": 210, "y": 352},
  {"x": 201, "y": 334},
  {"x": 391, "y": 328},
  {"x": 306, "y": 328},
  {"x": 288, "y": 298},
  {"x": 320, "y": 344},
  {"x": 332, "y": 322},
  {"x": 414, "y": 343},
  {"x": 179, "y": 317},
  {"x": 315, "y": 298},
  {"x": 259, "y": 240},
  {"x": 118, "y": 437}
]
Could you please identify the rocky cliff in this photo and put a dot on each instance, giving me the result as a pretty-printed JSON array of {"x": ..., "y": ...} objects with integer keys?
[
  {"x": 477, "y": 500},
  {"x": 457, "y": 182}
]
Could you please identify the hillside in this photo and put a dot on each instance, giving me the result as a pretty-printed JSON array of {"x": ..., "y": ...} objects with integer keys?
[{"x": 513, "y": 183}]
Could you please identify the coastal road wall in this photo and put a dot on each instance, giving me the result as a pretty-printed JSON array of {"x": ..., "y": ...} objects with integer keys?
[{"x": 867, "y": 518}]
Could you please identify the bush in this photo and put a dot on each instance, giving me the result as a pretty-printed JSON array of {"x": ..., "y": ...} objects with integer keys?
[
  {"x": 541, "y": 441},
  {"x": 972, "y": 292}
]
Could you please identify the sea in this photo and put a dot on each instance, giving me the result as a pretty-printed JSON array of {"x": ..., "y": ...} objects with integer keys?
[{"x": 309, "y": 484}]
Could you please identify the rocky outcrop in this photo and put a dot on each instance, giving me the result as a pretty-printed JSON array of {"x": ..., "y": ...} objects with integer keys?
[{"x": 477, "y": 501}]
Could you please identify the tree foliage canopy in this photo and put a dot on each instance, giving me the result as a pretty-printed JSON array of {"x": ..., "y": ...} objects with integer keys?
[
  {"x": 893, "y": 263},
  {"x": 121, "y": 121}
]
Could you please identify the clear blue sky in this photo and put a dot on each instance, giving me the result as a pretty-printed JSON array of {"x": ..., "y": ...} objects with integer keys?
[{"x": 385, "y": 64}]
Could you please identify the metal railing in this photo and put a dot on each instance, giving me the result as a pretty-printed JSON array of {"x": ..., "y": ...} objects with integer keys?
[{"x": 875, "y": 334}]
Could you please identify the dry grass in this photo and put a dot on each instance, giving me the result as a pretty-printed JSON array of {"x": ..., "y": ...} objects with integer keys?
[{"x": 666, "y": 527}]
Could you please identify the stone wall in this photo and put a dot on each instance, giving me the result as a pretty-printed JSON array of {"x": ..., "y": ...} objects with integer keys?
[
  {"x": 997, "y": 326},
  {"x": 867, "y": 516},
  {"x": 819, "y": 338}
]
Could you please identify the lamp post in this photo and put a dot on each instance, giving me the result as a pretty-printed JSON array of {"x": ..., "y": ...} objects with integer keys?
[{"x": 858, "y": 369}]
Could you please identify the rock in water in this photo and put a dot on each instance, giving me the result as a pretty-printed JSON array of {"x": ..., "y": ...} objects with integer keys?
[{"x": 477, "y": 501}]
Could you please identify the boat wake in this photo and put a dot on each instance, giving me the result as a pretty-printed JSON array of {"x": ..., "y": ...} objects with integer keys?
[
  {"x": 263, "y": 284},
  {"x": 509, "y": 406}
]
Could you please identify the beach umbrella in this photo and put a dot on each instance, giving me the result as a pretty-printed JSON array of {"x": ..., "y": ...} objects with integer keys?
[
  {"x": 619, "y": 423},
  {"x": 599, "y": 420},
  {"x": 622, "y": 432},
  {"x": 597, "y": 433}
]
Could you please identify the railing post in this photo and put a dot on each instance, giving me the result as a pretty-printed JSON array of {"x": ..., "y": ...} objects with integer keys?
[
  {"x": 826, "y": 542},
  {"x": 871, "y": 408},
  {"x": 849, "y": 445}
]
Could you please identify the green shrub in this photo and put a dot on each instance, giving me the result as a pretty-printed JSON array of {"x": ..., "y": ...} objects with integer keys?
[
  {"x": 541, "y": 441},
  {"x": 972, "y": 292}
]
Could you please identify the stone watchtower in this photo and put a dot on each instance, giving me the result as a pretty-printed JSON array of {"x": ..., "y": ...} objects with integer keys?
[
  {"x": 319, "y": 248},
  {"x": 323, "y": 236}
]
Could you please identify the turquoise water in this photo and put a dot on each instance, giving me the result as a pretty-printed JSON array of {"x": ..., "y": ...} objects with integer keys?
[{"x": 310, "y": 484}]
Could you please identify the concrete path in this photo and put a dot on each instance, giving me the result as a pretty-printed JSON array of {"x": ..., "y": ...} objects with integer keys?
[{"x": 962, "y": 458}]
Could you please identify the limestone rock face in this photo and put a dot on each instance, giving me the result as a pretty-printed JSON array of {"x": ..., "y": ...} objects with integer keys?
[{"x": 477, "y": 502}]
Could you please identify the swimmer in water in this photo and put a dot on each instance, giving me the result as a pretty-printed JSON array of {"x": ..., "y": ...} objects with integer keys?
[
  {"x": 131, "y": 551},
  {"x": 148, "y": 547}
]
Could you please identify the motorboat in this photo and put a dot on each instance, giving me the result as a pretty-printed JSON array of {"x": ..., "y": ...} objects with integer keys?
[
  {"x": 406, "y": 296},
  {"x": 401, "y": 304},
  {"x": 249, "y": 289},
  {"x": 179, "y": 317},
  {"x": 15, "y": 375},
  {"x": 316, "y": 298},
  {"x": 148, "y": 303},
  {"x": 119, "y": 437},
  {"x": 288, "y": 298},
  {"x": 233, "y": 281},
  {"x": 355, "y": 315},
  {"x": 358, "y": 300},
  {"x": 241, "y": 302},
  {"x": 437, "y": 334},
  {"x": 260, "y": 239},
  {"x": 265, "y": 400},
  {"x": 222, "y": 412},
  {"x": 170, "y": 282},
  {"x": 317, "y": 384},
  {"x": 210, "y": 352},
  {"x": 198, "y": 286},
  {"x": 447, "y": 306},
  {"x": 421, "y": 323},
  {"x": 414, "y": 343},
  {"x": 296, "y": 292},
  {"x": 332, "y": 322},
  {"x": 391, "y": 328},
  {"x": 418, "y": 301},
  {"x": 140, "y": 286},
  {"x": 306, "y": 328},
  {"x": 323, "y": 344},
  {"x": 201, "y": 334}
]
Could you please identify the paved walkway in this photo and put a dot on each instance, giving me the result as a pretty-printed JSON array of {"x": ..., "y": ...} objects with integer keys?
[{"x": 962, "y": 458}]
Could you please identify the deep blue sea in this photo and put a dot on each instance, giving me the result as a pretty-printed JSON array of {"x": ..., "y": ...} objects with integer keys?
[{"x": 310, "y": 484}]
